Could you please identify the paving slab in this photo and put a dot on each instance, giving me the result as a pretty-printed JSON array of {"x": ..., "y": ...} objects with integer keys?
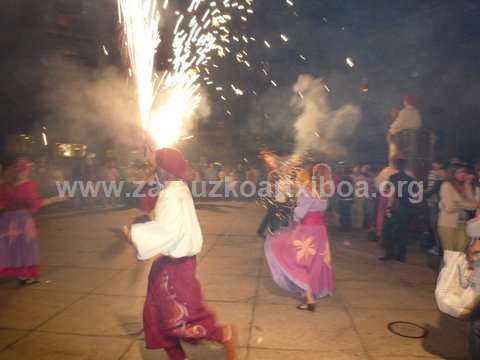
[
  {"x": 43, "y": 346},
  {"x": 27, "y": 308},
  {"x": 204, "y": 351},
  {"x": 89, "y": 303},
  {"x": 8, "y": 337},
  {"x": 100, "y": 315},
  {"x": 263, "y": 354},
  {"x": 446, "y": 335},
  {"x": 284, "y": 327},
  {"x": 379, "y": 295},
  {"x": 228, "y": 288}
]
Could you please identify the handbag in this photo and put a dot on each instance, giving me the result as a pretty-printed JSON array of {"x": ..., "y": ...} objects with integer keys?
[{"x": 455, "y": 292}]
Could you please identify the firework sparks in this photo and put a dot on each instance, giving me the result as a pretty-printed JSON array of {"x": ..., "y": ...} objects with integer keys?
[{"x": 166, "y": 102}]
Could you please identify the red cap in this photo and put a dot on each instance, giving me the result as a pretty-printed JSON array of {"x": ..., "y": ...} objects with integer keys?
[
  {"x": 411, "y": 100},
  {"x": 173, "y": 162}
]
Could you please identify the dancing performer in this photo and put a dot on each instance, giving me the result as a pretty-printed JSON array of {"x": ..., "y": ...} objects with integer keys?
[
  {"x": 299, "y": 257},
  {"x": 20, "y": 200},
  {"x": 277, "y": 204},
  {"x": 174, "y": 309}
]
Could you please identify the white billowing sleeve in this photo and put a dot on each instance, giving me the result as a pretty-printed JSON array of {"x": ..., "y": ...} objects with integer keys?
[{"x": 175, "y": 230}]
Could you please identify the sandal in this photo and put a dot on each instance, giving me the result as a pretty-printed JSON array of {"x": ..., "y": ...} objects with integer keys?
[
  {"x": 307, "y": 307},
  {"x": 27, "y": 281}
]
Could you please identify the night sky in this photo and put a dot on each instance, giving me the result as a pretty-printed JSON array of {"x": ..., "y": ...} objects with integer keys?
[{"x": 426, "y": 47}]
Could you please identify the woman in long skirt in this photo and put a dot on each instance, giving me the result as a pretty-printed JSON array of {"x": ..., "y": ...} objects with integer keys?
[
  {"x": 299, "y": 257},
  {"x": 20, "y": 200}
]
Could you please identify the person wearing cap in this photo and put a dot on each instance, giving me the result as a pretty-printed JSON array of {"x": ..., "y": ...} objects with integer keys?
[
  {"x": 174, "y": 309},
  {"x": 401, "y": 135},
  {"x": 21, "y": 200},
  {"x": 408, "y": 118}
]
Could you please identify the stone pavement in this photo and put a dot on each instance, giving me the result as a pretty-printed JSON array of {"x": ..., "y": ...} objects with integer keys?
[{"x": 89, "y": 302}]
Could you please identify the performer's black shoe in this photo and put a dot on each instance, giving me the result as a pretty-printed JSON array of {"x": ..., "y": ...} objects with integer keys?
[{"x": 307, "y": 307}]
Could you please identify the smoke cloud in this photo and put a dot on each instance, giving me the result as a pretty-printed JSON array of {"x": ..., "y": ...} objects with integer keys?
[
  {"x": 98, "y": 106},
  {"x": 87, "y": 105},
  {"x": 302, "y": 119},
  {"x": 319, "y": 128}
]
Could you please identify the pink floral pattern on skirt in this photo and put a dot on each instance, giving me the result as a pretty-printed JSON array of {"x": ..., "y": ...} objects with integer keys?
[{"x": 174, "y": 309}]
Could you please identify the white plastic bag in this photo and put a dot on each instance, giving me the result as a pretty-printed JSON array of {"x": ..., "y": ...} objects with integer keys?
[{"x": 455, "y": 292}]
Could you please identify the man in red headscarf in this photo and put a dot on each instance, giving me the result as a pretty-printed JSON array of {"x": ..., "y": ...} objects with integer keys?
[
  {"x": 408, "y": 118},
  {"x": 402, "y": 133},
  {"x": 174, "y": 309}
]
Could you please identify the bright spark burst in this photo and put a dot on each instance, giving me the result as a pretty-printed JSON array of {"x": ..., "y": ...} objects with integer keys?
[{"x": 166, "y": 102}]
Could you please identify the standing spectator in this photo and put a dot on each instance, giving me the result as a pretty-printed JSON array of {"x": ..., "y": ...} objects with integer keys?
[
  {"x": 358, "y": 215},
  {"x": 456, "y": 198},
  {"x": 399, "y": 213},
  {"x": 370, "y": 200},
  {"x": 111, "y": 175},
  {"x": 436, "y": 176},
  {"x": 211, "y": 174},
  {"x": 345, "y": 200}
]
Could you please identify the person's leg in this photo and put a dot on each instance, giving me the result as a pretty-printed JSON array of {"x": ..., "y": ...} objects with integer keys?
[
  {"x": 348, "y": 215},
  {"x": 176, "y": 352},
  {"x": 461, "y": 239},
  {"x": 446, "y": 237},
  {"x": 341, "y": 214},
  {"x": 473, "y": 339},
  {"x": 402, "y": 236},
  {"x": 264, "y": 223}
]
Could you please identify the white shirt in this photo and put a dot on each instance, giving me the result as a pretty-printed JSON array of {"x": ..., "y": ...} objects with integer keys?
[
  {"x": 408, "y": 118},
  {"x": 175, "y": 230}
]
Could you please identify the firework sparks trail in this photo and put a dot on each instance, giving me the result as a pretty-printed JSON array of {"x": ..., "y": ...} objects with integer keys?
[
  {"x": 167, "y": 101},
  {"x": 141, "y": 23}
]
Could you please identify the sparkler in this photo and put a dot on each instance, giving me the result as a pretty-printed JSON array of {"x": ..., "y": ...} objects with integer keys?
[{"x": 166, "y": 102}]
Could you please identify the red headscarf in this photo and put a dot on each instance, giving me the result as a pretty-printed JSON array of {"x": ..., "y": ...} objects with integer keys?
[
  {"x": 173, "y": 162},
  {"x": 411, "y": 100}
]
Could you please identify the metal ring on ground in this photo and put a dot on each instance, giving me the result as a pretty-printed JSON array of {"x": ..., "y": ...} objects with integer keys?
[{"x": 393, "y": 331}]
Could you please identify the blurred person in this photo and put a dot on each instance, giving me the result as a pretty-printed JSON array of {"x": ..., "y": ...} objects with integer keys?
[
  {"x": 456, "y": 199},
  {"x": 174, "y": 309},
  {"x": 111, "y": 175},
  {"x": 408, "y": 118},
  {"x": 473, "y": 325},
  {"x": 436, "y": 177},
  {"x": 358, "y": 214},
  {"x": 370, "y": 202},
  {"x": 299, "y": 256},
  {"x": 346, "y": 195},
  {"x": 277, "y": 204},
  {"x": 399, "y": 213},
  {"x": 253, "y": 175},
  {"x": 211, "y": 173},
  {"x": 21, "y": 200}
]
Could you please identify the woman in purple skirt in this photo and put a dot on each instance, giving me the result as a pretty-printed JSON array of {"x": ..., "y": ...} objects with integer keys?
[
  {"x": 299, "y": 256},
  {"x": 20, "y": 200}
]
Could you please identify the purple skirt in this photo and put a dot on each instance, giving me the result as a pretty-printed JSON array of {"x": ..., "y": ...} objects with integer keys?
[
  {"x": 19, "y": 255},
  {"x": 299, "y": 257}
]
